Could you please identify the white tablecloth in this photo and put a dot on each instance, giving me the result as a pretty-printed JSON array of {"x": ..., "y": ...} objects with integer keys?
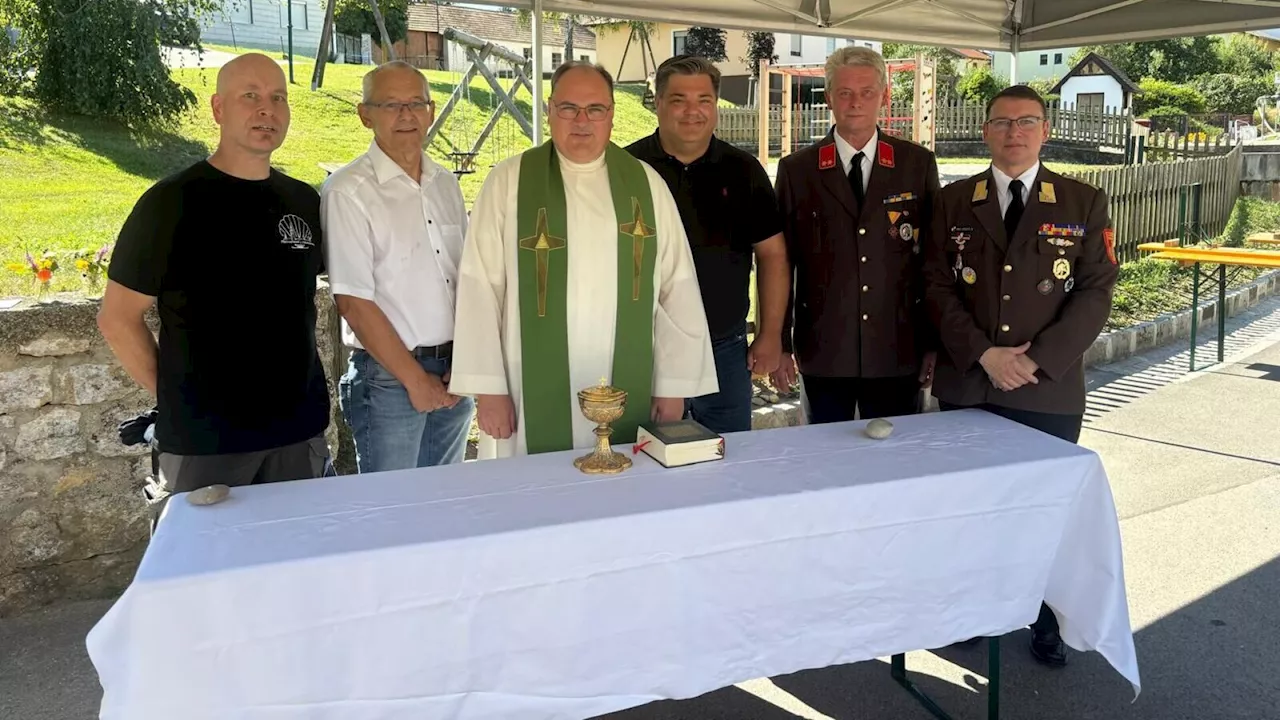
[{"x": 524, "y": 589}]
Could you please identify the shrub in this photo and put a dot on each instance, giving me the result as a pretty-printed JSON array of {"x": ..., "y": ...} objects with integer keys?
[{"x": 1163, "y": 94}]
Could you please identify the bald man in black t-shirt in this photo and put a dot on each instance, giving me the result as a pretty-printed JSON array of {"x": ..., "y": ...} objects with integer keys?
[{"x": 228, "y": 250}]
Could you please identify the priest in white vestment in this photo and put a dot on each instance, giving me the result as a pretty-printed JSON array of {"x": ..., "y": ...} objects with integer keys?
[{"x": 528, "y": 227}]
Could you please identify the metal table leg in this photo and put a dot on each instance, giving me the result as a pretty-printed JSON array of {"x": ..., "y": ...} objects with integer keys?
[
  {"x": 1195, "y": 313},
  {"x": 1222, "y": 309},
  {"x": 898, "y": 669}
]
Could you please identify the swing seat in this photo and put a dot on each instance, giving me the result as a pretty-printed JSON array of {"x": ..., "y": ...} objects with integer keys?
[{"x": 464, "y": 163}]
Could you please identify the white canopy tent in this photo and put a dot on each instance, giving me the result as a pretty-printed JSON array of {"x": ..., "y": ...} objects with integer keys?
[{"x": 1011, "y": 25}]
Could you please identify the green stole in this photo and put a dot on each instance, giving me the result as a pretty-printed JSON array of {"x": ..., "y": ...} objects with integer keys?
[{"x": 541, "y": 220}]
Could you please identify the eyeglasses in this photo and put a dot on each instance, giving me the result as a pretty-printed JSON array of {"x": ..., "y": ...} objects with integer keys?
[
  {"x": 396, "y": 107},
  {"x": 1027, "y": 122},
  {"x": 595, "y": 113}
]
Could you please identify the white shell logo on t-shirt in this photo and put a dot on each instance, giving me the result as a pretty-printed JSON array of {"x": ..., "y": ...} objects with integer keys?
[{"x": 295, "y": 232}]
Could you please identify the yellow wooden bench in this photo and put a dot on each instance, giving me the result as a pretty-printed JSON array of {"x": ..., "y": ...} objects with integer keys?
[
  {"x": 1263, "y": 239},
  {"x": 1220, "y": 256}
]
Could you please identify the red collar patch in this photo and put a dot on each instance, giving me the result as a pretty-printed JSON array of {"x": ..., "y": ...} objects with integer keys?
[
  {"x": 827, "y": 157},
  {"x": 885, "y": 154}
]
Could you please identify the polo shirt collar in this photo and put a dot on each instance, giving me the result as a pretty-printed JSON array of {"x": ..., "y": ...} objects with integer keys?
[{"x": 714, "y": 151}]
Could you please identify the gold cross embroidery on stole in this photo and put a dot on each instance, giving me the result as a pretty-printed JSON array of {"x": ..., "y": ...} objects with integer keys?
[
  {"x": 638, "y": 232},
  {"x": 542, "y": 243}
]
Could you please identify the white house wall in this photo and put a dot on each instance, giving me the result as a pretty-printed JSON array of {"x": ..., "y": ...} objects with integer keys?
[
  {"x": 1086, "y": 84},
  {"x": 261, "y": 25},
  {"x": 1029, "y": 67},
  {"x": 814, "y": 49}
]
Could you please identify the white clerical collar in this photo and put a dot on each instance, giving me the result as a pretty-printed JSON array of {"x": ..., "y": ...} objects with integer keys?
[
  {"x": 567, "y": 164},
  {"x": 1002, "y": 180},
  {"x": 847, "y": 150}
]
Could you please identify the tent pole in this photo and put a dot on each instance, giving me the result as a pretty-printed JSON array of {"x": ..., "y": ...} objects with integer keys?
[
  {"x": 538, "y": 110},
  {"x": 1015, "y": 47}
]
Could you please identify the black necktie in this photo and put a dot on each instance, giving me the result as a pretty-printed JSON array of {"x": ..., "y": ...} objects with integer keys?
[
  {"x": 1014, "y": 213},
  {"x": 855, "y": 180}
]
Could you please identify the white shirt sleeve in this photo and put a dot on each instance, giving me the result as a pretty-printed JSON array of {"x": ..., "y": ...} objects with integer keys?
[{"x": 348, "y": 239}]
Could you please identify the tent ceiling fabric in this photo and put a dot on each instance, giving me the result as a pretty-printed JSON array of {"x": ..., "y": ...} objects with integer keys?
[{"x": 982, "y": 24}]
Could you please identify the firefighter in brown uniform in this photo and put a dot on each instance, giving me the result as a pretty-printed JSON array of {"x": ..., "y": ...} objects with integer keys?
[
  {"x": 856, "y": 208},
  {"x": 1020, "y": 268}
]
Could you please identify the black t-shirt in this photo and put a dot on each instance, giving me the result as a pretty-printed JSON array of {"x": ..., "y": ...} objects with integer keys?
[
  {"x": 727, "y": 205},
  {"x": 233, "y": 266}
]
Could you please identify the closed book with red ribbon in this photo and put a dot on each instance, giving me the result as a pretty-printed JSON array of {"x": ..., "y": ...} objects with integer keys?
[{"x": 680, "y": 442}]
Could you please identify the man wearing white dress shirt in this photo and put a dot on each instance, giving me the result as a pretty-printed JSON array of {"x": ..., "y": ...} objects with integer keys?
[{"x": 394, "y": 226}]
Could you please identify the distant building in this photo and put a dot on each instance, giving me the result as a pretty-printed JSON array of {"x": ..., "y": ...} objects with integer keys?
[
  {"x": 968, "y": 59},
  {"x": 426, "y": 47},
  {"x": 736, "y": 84},
  {"x": 1096, "y": 85},
  {"x": 1034, "y": 64},
  {"x": 264, "y": 25}
]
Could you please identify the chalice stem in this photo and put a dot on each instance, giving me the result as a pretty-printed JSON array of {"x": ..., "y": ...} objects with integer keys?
[{"x": 602, "y": 440}]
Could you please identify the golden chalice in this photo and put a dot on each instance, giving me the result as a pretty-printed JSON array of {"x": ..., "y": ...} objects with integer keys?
[{"x": 602, "y": 405}]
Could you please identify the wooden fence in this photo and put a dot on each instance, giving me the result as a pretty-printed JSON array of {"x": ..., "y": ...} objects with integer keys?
[
  {"x": 962, "y": 120},
  {"x": 809, "y": 123},
  {"x": 1145, "y": 198},
  {"x": 954, "y": 120},
  {"x": 1175, "y": 146}
]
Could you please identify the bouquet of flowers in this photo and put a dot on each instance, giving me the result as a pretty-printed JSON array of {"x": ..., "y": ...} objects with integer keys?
[
  {"x": 92, "y": 265},
  {"x": 41, "y": 269}
]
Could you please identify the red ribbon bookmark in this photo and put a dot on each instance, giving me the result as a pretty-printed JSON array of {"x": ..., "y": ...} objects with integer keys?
[{"x": 635, "y": 449}]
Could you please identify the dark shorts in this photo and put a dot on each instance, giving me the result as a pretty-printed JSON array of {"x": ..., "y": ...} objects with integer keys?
[{"x": 299, "y": 461}]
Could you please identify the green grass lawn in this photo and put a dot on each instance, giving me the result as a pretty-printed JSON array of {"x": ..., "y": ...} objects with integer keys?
[{"x": 68, "y": 183}]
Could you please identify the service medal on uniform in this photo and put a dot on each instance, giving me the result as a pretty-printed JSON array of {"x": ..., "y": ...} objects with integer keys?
[
  {"x": 1070, "y": 283},
  {"x": 1045, "y": 286},
  {"x": 905, "y": 231},
  {"x": 1062, "y": 268},
  {"x": 969, "y": 275}
]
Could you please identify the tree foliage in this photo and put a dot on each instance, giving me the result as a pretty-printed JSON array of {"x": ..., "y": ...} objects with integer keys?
[
  {"x": 904, "y": 83},
  {"x": 1165, "y": 94},
  {"x": 980, "y": 85},
  {"x": 100, "y": 58},
  {"x": 1175, "y": 60},
  {"x": 355, "y": 17},
  {"x": 1235, "y": 94},
  {"x": 706, "y": 42},
  {"x": 1043, "y": 86},
  {"x": 1242, "y": 55},
  {"x": 760, "y": 46}
]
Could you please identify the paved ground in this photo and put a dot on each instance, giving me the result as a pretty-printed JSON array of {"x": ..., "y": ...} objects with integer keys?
[{"x": 1194, "y": 462}]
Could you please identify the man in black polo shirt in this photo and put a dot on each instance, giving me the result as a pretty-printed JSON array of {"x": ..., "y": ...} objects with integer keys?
[
  {"x": 228, "y": 250},
  {"x": 729, "y": 212}
]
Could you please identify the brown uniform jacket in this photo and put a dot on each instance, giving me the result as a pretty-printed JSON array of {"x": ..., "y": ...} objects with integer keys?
[
  {"x": 1047, "y": 286},
  {"x": 858, "y": 294}
]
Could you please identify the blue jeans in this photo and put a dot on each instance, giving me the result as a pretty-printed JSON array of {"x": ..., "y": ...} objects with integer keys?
[
  {"x": 730, "y": 409},
  {"x": 389, "y": 433}
]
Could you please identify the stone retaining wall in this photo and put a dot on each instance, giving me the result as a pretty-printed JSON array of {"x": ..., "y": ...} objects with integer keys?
[{"x": 72, "y": 520}]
